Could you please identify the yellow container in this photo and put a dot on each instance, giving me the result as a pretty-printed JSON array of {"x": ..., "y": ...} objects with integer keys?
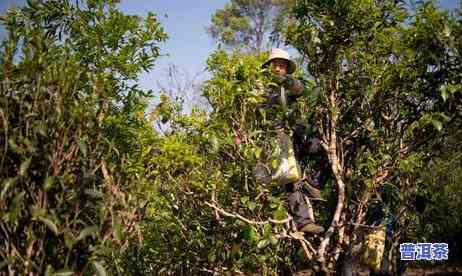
[{"x": 374, "y": 247}]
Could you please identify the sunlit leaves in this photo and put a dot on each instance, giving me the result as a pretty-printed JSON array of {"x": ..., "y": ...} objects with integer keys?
[{"x": 69, "y": 122}]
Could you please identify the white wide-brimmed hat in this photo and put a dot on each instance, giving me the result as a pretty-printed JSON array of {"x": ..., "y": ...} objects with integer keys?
[{"x": 279, "y": 53}]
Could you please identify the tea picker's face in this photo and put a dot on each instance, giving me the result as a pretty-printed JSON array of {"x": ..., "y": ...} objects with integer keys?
[{"x": 279, "y": 66}]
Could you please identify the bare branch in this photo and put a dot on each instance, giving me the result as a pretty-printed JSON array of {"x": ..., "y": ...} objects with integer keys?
[{"x": 249, "y": 221}]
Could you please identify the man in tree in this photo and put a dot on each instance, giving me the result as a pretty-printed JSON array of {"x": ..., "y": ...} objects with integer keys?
[{"x": 288, "y": 89}]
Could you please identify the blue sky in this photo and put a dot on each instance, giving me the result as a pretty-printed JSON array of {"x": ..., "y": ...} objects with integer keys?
[
  {"x": 185, "y": 21},
  {"x": 189, "y": 45}
]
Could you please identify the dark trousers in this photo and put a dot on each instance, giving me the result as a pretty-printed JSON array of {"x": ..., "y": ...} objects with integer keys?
[{"x": 297, "y": 204}]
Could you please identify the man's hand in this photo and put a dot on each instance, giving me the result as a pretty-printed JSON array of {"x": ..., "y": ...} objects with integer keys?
[{"x": 292, "y": 84}]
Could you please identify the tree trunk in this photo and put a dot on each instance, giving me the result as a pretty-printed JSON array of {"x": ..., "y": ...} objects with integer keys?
[{"x": 330, "y": 144}]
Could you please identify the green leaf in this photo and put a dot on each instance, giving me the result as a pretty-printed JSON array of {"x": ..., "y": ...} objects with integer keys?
[
  {"x": 69, "y": 239},
  {"x": 263, "y": 243},
  {"x": 280, "y": 213},
  {"x": 24, "y": 167},
  {"x": 6, "y": 184},
  {"x": 267, "y": 230},
  {"x": 38, "y": 212},
  {"x": 274, "y": 163},
  {"x": 444, "y": 92},
  {"x": 15, "y": 207},
  {"x": 258, "y": 152},
  {"x": 83, "y": 147},
  {"x": 48, "y": 183},
  {"x": 244, "y": 199},
  {"x": 212, "y": 256},
  {"x": 87, "y": 231},
  {"x": 438, "y": 125},
  {"x": 251, "y": 205},
  {"x": 118, "y": 230},
  {"x": 50, "y": 224},
  {"x": 14, "y": 147},
  {"x": 101, "y": 271},
  {"x": 250, "y": 233}
]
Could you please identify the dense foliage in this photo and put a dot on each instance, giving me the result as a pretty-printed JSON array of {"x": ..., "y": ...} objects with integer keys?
[
  {"x": 384, "y": 74},
  {"x": 69, "y": 123},
  {"x": 88, "y": 185}
]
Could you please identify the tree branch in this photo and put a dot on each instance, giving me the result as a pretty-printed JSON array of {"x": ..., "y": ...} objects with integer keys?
[
  {"x": 336, "y": 169},
  {"x": 249, "y": 221}
]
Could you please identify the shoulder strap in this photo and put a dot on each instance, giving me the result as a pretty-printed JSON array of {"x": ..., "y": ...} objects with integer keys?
[{"x": 283, "y": 97}]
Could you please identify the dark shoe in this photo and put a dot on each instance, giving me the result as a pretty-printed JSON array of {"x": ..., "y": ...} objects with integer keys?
[{"x": 312, "y": 228}]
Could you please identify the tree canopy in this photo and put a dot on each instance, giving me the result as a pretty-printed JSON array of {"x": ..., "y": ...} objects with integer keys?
[{"x": 249, "y": 24}]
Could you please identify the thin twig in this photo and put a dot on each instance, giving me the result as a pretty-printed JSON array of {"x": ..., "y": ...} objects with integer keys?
[
  {"x": 306, "y": 245},
  {"x": 366, "y": 226},
  {"x": 214, "y": 192}
]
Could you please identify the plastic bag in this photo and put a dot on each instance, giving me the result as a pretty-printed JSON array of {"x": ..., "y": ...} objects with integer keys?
[{"x": 287, "y": 170}]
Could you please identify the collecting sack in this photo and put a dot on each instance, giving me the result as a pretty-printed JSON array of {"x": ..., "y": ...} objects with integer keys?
[
  {"x": 287, "y": 170},
  {"x": 284, "y": 168}
]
